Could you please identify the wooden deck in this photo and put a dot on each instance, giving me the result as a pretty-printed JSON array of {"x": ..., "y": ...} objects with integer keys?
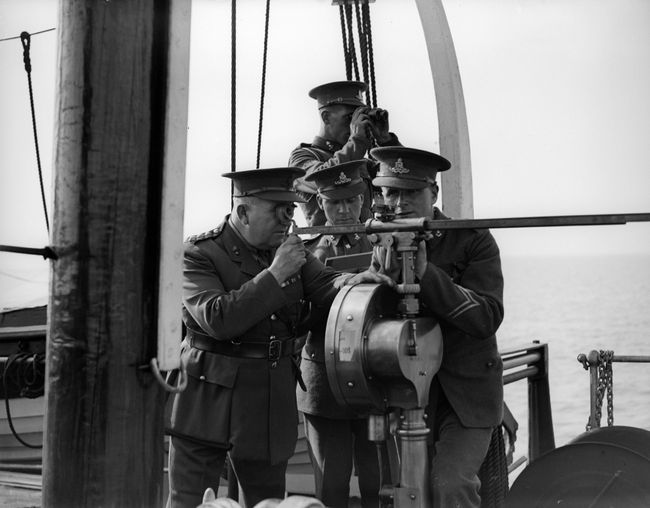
[{"x": 20, "y": 490}]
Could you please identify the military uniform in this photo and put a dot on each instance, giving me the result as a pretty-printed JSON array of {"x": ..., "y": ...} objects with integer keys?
[
  {"x": 318, "y": 399},
  {"x": 324, "y": 153},
  {"x": 241, "y": 373},
  {"x": 335, "y": 434},
  {"x": 462, "y": 287}
]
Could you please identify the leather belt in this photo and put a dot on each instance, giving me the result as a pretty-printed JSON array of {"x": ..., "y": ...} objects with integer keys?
[{"x": 272, "y": 350}]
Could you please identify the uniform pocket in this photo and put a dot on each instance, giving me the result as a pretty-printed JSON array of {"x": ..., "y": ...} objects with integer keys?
[
  {"x": 203, "y": 410},
  {"x": 212, "y": 368}
]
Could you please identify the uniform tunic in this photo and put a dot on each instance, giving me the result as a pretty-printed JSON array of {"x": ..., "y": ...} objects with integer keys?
[
  {"x": 462, "y": 288},
  {"x": 324, "y": 153},
  {"x": 318, "y": 399},
  {"x": 244, "y": 404},
  {"x": 335, "y": 433}
]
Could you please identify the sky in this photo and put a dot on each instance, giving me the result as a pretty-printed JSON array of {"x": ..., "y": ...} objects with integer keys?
[{"x": 556, "y": 95}]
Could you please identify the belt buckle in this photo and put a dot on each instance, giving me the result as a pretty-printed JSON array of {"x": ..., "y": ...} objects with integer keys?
[{"x": 275, "y": 348}]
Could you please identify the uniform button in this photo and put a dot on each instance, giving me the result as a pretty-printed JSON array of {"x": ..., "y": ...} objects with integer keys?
[
  {"x": 273, "y": 317},
  {"x": 202, "y": 378},
  {"x": 490, "y": 364},
  {"x": 313, "y": 355}
]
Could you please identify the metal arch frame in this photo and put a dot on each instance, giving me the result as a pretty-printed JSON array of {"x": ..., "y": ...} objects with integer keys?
[{"x": 453, "y": 131}]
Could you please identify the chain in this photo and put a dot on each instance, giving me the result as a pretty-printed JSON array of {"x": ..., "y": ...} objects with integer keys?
[
  {"x": 605, "y": 386},
  {"x": 609, "y": 383}
]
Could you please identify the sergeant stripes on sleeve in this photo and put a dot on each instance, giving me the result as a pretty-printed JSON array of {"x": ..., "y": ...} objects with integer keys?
[{"x": 469, "y": 303}]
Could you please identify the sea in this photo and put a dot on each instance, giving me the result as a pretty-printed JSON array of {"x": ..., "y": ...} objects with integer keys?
[
  {"x": 576, "y": 305},
  {"x": 573, "y": 304}
]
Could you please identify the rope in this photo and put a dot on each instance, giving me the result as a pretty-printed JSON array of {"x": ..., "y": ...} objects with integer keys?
[
  {"x": 364, "y": 30},
  {"x": 494, "y": 472},
  {"x": 363, "y": 47},
  {"x": 233, "y": 93},
  {"x": 371, "y": 59},
  {"x": 346, "y": 51},
  {"x": 25, "y": 39},
  {"x": 352, "y": 51},
  {"x": 26, "y": 371},
  {"x": 266, "y": 38}
]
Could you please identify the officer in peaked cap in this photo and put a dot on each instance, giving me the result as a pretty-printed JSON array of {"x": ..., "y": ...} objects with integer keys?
[
  {"x": 243, "y": 287},
  {"x": 337, "y": 437},
  {"x": 407, "y": 168},
  {"x": 339, "y": 92},
  {"x": 348, "y": 129},
  {"x": 461, "y": 285},
  {"x": 271, "y": 184}
]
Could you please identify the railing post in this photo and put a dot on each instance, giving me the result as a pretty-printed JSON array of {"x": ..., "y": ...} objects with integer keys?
[
  {"x": 540, "y": 418},
  {"x": 593, "y": 362}
]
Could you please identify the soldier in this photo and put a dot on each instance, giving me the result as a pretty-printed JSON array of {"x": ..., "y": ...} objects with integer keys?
[
  {"x": 461, "y": 285},
  {"x": 336, "y": 434},
  {"x": 348, "y": 129},
  {"x": 243, "y": 288}
]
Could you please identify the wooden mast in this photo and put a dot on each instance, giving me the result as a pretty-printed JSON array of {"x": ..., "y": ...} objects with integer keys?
[{"x": 103, "y": 424}]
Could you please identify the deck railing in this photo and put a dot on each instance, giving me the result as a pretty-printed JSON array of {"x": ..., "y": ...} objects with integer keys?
[
  {"x": 599, "y": 364},
  {"x": 530, "y": 362}
]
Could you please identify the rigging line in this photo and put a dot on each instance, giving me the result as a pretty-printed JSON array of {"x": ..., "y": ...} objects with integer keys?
[
  {"x": 363, "y": 49},
  {"x": 233, "y": 93},
  {"x": 346, "y": 51},
  {"x": 351, "y": 46},
  {"x": 22, "y": 279},
  {"x": 266, "y": 38},
  {"x": 371, "y": 59},
  {"x": 25, "y": 39},
  {"x": 34, "y": 33}
]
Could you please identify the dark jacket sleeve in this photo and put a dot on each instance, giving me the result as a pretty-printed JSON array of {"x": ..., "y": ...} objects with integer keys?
[
  {"x": 472, "y": 301},
  {"x": 221, "y": 313},
  {"x": 318, "y": 282},
  {"x": 307, "y": 159}
]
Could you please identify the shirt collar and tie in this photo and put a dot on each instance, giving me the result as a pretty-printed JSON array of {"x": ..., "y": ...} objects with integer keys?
[{"x": 263, "y": 257}]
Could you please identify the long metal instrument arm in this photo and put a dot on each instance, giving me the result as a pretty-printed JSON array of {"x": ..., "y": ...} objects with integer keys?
[{"x": 423, "y": 224}]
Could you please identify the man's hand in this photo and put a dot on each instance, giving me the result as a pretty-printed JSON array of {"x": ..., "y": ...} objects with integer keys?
[
  {"x": 360, "y": 124},
  {"x": 367, "y": 277},
  {"x": 288, "y": 259},
  {"x": 379, "y": 125},
  {"x": 341, "y": 280},
  {"x": 421, "y": 260}
]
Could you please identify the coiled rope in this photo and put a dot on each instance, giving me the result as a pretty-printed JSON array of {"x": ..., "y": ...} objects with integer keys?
[{"x": 26, "y": 372}]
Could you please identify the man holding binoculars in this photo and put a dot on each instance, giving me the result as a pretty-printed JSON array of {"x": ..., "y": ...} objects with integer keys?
[{"x": 348, "y": 129}]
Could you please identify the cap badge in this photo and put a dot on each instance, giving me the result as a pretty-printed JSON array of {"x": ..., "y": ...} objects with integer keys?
[
  {"x": 342, "y": 179},
  {"x": 399, "y": 168}
]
